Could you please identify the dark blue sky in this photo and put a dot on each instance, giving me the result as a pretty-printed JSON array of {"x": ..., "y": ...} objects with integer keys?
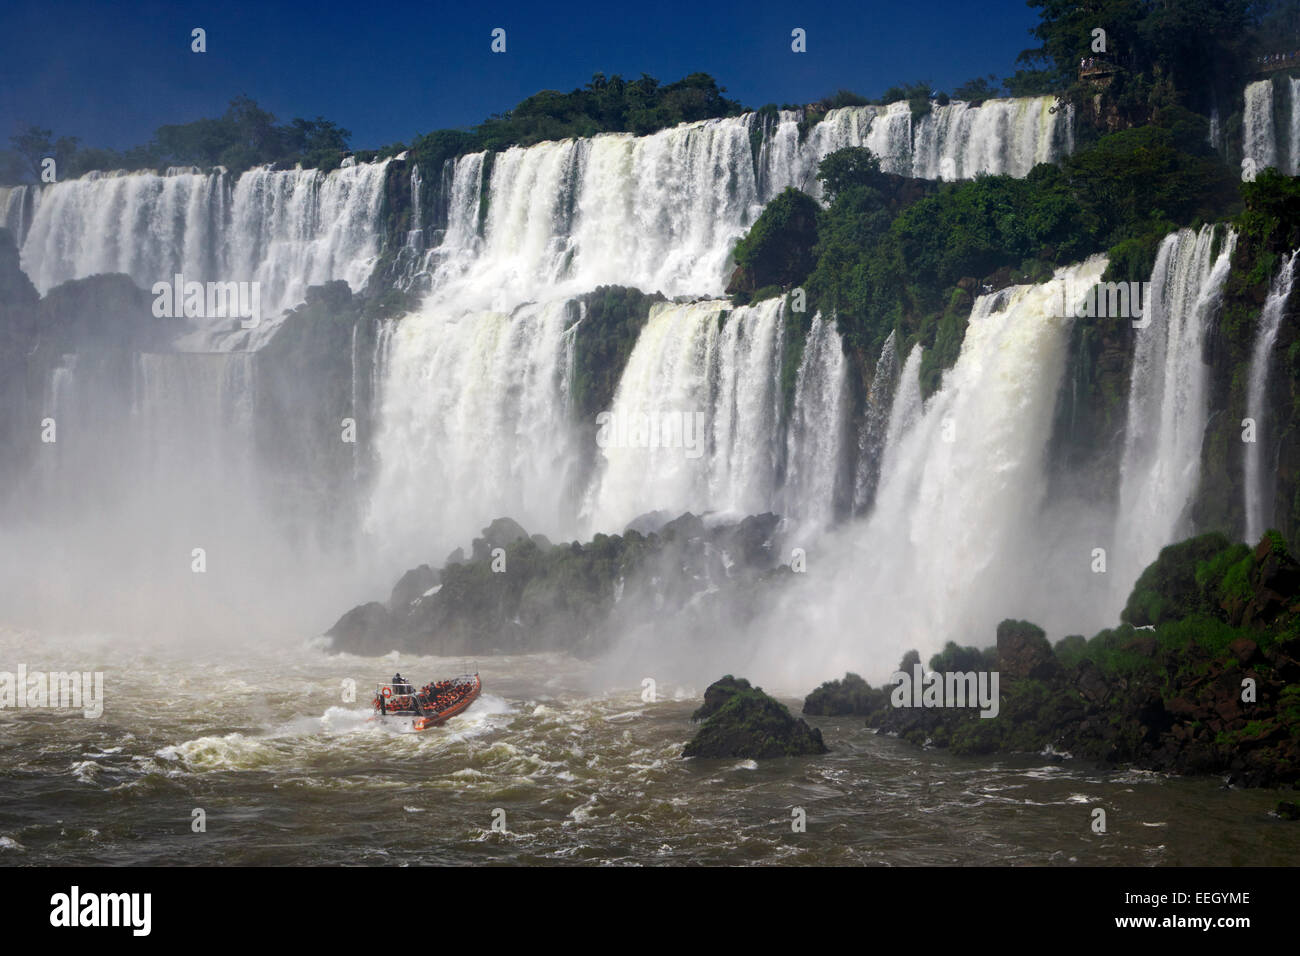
[{"x": 112, "y": 72}]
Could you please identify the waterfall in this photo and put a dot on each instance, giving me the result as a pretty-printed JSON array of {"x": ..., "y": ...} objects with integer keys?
[
  {"x": 816, "y": 460},
  {"x": 472, "y": 393},
  {"x": 17, "y": 205},
  {"x": 1259, "y": 479},
  {"x": 293, "y": 229},
  {"x": 1160, "y": 468},
  {"x": 873, "y": 430},
  {"x": 659, "y": 212},
  {"x": 780, "y": 158},
  {"x": 744, "y": 409},
  {"x": 1259, "y": 142},
  {"x": 538, "y": 226},
  {"x": 953, "y": 543},
  {"x": 141, "y": 224},
  {"x": 953, "y": 141},
  {"x": 283, "y": 230},
  {"x": 1263, "y": 144},
  {"x": 958, "y": 141},
  {"x": 415, "y": 235},
  {"x": 475, "y": 426},
  {"x": 702, "y": 372},
  {"x": 904, "y": 410}
]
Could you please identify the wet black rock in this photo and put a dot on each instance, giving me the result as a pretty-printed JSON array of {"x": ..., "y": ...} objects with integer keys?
[
  {"x": 740, "y": 721},
  {"x": 517, "y": 593},
  {"x": 411, "y": 587},
  {"x": 366, "y": 628}
]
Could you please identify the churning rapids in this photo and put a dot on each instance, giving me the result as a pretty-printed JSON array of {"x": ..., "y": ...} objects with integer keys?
[{"x": 287, "y": 774}]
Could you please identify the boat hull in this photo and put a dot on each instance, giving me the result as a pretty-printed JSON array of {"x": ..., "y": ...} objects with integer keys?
[
  {"x": 426, "y": 721},
  {"x": 437, "y": 720}
]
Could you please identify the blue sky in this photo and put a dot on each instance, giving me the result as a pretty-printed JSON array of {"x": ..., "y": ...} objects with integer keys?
[{"x": 111, "y": 73}]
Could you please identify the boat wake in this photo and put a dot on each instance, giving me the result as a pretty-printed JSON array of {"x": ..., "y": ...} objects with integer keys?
[{"x": 334, "y": 737}]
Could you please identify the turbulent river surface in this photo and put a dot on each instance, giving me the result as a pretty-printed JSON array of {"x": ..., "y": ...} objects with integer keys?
[{"x": 287, "y": 773}]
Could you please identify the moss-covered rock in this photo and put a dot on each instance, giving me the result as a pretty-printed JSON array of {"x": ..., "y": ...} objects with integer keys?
[
  {"x": 1168, "y": 589},
  {"x": 1209, "y": 686},
  {"x": 365, "y": 628},
  {"x": 1022, "y": 653},
  {"x": 612, "y": 319},
  {"x": 741, "y": 721},
  {"x": 838, "y": 698},
  {"x": 718, "y": 693},
  {"x": 778, "y": 249},
  {"x": 520, "y": 593}
]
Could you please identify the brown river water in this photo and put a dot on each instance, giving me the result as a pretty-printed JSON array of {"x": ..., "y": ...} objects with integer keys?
[{"x": 572, "y": 772}]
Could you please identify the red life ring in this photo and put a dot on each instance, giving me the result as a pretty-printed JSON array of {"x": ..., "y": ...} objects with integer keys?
[{"x": 388, "y": 692}]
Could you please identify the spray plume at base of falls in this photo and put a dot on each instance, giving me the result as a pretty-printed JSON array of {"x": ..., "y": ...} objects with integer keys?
[{"x": 154, "y": 513}]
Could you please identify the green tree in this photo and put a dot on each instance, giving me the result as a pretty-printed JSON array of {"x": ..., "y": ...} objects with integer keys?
[
  {"x": 977, "y": 90},
  {"x": 33, "y": 144},
  {"x": 1137, "y": 179},
  {"x": 845, "y": 168},
  {"x": 778, "y": 250}
]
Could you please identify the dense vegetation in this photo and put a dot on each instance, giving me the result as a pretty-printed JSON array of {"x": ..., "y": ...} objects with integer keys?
[
  {"x": 571, "y": 597},
  {"x": 1193, "y": 53},
  {"x": 246, "y": 135},
  {"x": 1170, "y": 696},
  {"x": 779, "y": 247},
  {"x": 891, "y": 254}
]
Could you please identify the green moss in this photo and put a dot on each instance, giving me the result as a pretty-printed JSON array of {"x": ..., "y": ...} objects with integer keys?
[
  {"x": 744, "y": 722},
  {"x": 852, "y": 695},
  {"x": 1168, "y": 588},
  {"x": 957, "y": 659}
]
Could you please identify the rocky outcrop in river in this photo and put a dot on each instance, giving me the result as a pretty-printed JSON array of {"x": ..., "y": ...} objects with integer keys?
[
  {"x": 519, "y": 593},
  {"x": 740, "y": 721},
  {"x": 1201, "y": 678}
]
